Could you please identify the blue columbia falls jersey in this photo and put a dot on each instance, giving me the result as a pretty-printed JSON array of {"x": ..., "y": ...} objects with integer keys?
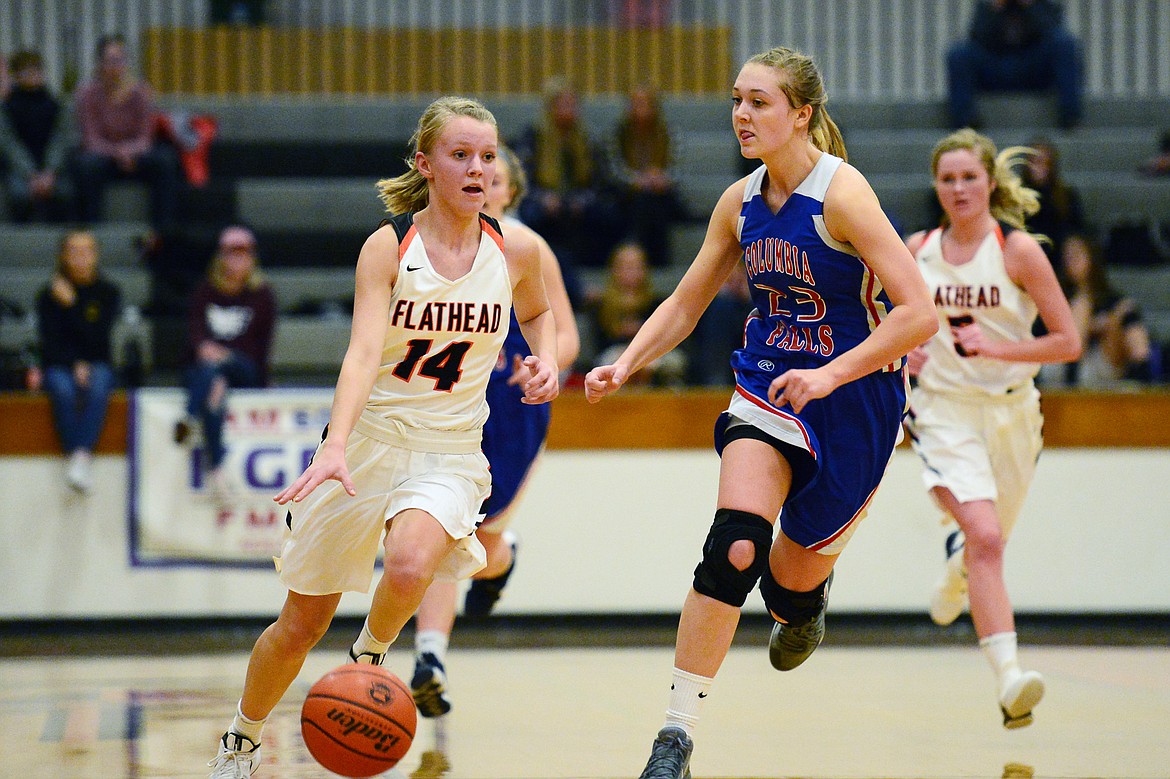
[{"x": 815, "y": 299}]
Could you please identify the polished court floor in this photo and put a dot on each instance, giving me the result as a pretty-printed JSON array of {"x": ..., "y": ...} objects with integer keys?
[{"x": 895, "y": 712}]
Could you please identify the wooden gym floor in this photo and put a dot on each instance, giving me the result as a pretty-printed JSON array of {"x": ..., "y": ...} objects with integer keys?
[{"x": 528, "y": 708}]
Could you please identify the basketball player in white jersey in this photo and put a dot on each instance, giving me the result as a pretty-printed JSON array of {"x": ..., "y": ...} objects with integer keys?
[
  {"x": 513, "y": 439},
  {"x": 433, "y": 291},
  {"x": 975, "y": 413}
]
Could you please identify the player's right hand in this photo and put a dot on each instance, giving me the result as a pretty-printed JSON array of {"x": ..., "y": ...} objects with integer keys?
[
  {"x": 603, "y": 380},
  {"x": 327, "y": 464}
]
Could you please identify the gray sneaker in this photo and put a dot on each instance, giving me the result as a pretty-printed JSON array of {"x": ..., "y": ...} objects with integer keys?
[
  {"x": 671, "y": 756},
  {"x": 789, "y": 647}
]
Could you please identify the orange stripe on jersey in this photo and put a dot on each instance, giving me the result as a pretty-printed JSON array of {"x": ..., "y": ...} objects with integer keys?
[
  {"x": 999, "y": 235},
  {"x": 495, "y": 235},
  {"x": 406, "y": 239}
]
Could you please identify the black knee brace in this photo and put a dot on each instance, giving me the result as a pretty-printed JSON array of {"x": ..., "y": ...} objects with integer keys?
[
  {"x": 795, "y": 608},
  {"x": 715, "y": 576}
]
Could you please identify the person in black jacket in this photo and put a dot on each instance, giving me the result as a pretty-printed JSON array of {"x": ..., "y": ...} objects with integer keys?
[
  {"x": 76, "y": 314},
  {"x": 34, "y": 145},
  {"x": 1015, "y": 45}
]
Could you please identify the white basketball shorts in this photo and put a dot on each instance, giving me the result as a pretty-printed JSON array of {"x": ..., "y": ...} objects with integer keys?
[
  {"x": 979, "y": 448},
  {"x": 335, "y": 538}
]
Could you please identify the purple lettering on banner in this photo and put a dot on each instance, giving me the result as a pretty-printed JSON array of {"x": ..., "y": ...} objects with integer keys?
[{"x": 253, "y": 472}]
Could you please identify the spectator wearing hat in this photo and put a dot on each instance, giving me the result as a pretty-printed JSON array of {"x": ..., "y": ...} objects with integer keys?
[{"x": 230, "y": 327}]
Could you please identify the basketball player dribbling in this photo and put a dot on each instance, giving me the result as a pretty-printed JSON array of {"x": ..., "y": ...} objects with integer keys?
[
  {"x": 513, "y": 438},
  {"x": 433, "y": 291},
  {"x": 975, "y": 412},
  {"x": 820, "y": 390}
]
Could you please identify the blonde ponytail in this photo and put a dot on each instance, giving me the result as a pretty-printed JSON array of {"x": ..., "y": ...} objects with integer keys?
[{"x": 802, "y": 84}]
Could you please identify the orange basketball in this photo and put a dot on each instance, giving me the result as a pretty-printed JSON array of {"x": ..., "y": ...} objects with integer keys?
[{"x": 358, "y": 720}]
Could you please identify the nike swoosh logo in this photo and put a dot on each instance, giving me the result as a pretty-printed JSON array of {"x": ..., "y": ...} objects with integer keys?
[
  {"x": 702, "y": 695},
  {"x": 416, "y": 267}
]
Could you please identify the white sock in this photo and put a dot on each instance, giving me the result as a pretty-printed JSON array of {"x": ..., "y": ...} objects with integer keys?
[
  {"x": 433, "y": 641},
  {"x": 687, "y": 693},
  {"x": 1000, "y": 651},
  {"x": 248, "y": 728},
  {"x": 367, "y": 644}
]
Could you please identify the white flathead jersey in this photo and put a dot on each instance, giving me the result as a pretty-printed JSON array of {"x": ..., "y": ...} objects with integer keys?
[
  {"x": 980, "y": 289},
  {"x": 442, "y": 340}
]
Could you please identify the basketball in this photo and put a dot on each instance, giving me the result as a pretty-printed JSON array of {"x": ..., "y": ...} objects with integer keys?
[{"x": 358, "y": 720}]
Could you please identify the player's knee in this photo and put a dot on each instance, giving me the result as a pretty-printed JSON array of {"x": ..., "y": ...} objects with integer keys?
[
  {"x": 735, "y": 554},
  {"x": 984, "y": 540},
  {"x": 742, "y": 554},
  {"x": 406, "y": 569},
  {"x": 302, "y": 633},
  {"x": 790, "y": 606}
]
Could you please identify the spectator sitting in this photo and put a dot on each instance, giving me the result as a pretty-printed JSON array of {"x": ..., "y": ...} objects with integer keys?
[
  {"x": 720, "y": 332},
  {"x": 1060, "y": 214},
  {"x": 1117, "y": 343},
  {"x": 569, "y": 200},
  {"x": 76, "y": 314},
  {"x": 644, "y": 159},
  {"x": 116, "y": 115},
  {"x": 1015, "y": 45},
  {"x": 230, "y": 328},
  {"x": 34, "y": 145},
  {"x": 623, "y": 305}
]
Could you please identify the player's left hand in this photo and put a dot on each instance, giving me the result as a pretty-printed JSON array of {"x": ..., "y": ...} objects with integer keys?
[
  {"x": 536, "y": 378},
  {"x": 798, "y": 387}
]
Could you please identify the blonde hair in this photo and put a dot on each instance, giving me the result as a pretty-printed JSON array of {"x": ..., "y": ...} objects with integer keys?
[
  {"x": 517, "y": 178},
  {"x": 408, "y": 192},
  {"x": 802, "y": 85},
  {"x": 1011, "y": 201}
]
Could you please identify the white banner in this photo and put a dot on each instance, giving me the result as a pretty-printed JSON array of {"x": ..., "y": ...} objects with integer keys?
[{"x": 175, "y": 518}]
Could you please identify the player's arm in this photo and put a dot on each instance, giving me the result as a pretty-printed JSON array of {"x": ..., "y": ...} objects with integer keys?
[
  {"x": 530, "y": 302},
  {"x": 853, "y": 215},
  {"x": 1030, "y": 269},
  {"x": 676, "y": 317},
  {"x": 568, "y": 339},
  {"x": 916, "y": 358},
  {"x": 377, "y": 270}
]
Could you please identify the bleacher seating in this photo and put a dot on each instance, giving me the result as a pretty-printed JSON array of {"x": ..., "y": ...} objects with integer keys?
[{"x": 301, "y": 172}]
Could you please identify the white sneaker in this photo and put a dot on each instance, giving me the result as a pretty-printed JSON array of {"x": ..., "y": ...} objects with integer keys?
[
  {"x": 238, "y": 758},
  {"x": 223, "y": 489},
  {"x": 1017, "y": 700},
  {"x": 949, "y": 598},
  {"x": 77, "y": 473}
]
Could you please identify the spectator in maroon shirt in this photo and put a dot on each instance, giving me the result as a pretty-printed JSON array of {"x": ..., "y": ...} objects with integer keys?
[
  {"x": 230, "y": 327},
  {"x": 115, "y": 116}
]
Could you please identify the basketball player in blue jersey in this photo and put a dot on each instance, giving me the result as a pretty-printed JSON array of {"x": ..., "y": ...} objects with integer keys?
[
  {"x": 819, "y": 392},
  {"x": 975, "y": 412},
  {"x": 433, "y": 291},
  {"x": 513, "y": 436}
]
